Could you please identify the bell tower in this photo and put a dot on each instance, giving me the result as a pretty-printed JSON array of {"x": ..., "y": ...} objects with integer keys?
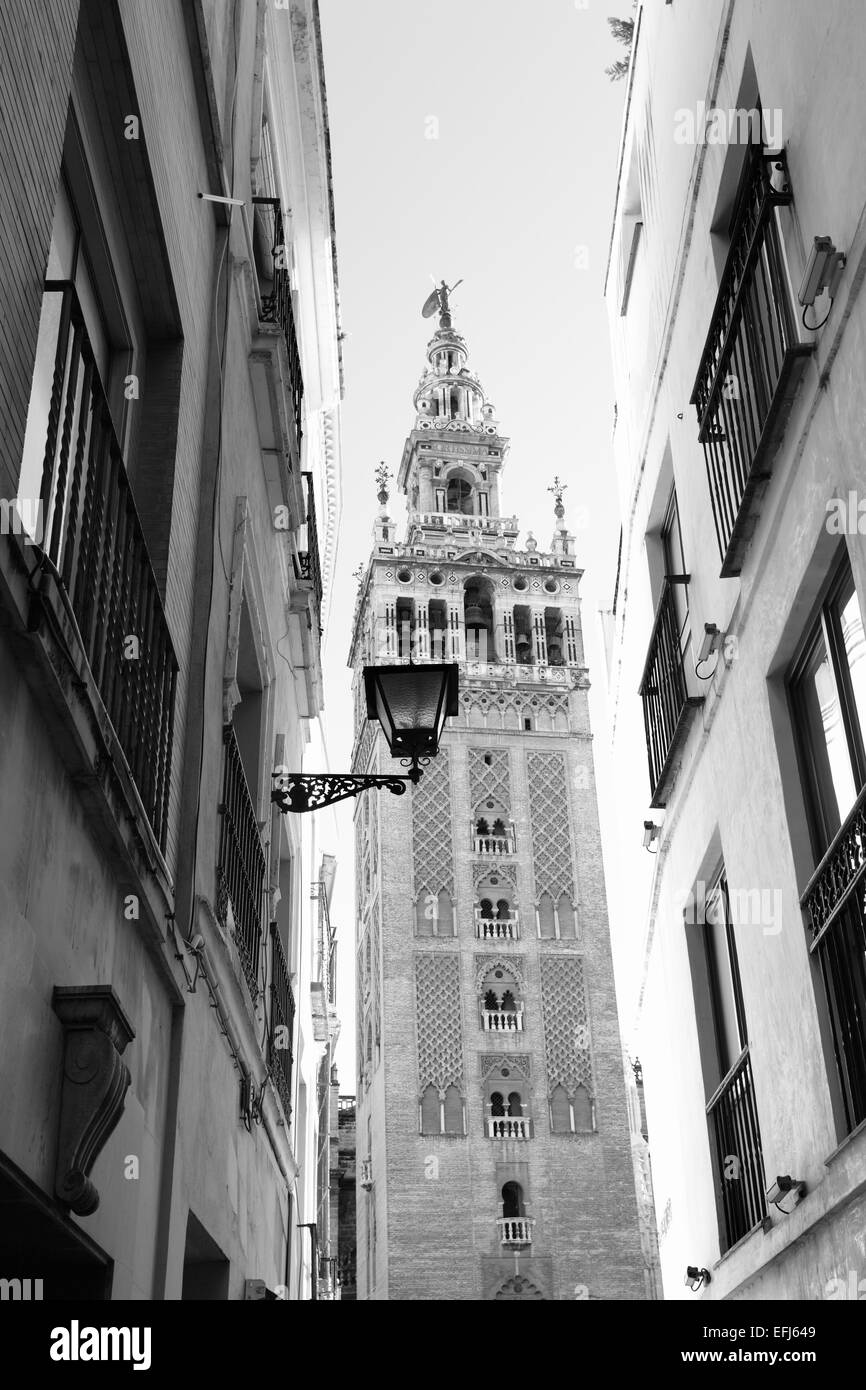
[{"x": 493, "y": 1139}]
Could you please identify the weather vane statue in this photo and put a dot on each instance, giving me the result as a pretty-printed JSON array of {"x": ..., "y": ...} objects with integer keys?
[
  {"x": 382, "y": 476},
  {"x": 438, "y": 300},
  {"x": 558, "y": 489}
]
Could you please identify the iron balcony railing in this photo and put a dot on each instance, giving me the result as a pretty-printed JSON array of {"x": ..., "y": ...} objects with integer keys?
[
  {"x": 733, "y": 1119},
  {"x": 94, "y": 540},
  {"x": 664, "y": 690},
  {"x": 752, "y": 359},
  {"x": 280, "y": 1054},
  {"x": 835, "y": 899},
  {"x": 309, "y": 565},
  {"x": 277, "y": 308},
  {"x": 241, "y": 864}
]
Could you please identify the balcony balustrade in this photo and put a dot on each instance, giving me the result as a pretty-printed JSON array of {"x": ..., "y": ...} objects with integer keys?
[
  {"x": 515, "y": 1230},
  {"x": 95, "y": 546},
  {"x": 282, "y": 1025},
  {"x": 664, "y": 692},
  {"x": 835, "y": 899},
  {"x": 241, "y": 862},
  {"x": 509, "y": 1127},
  {"x": 734, "y": 1120},
  {"x": 496, "y": 928},
  {"x": 277, "y": 308},
  {"x": 494, "y": 844},
  {"x": 752, "y": 359},
  {"x": 502, "y": 1020}
]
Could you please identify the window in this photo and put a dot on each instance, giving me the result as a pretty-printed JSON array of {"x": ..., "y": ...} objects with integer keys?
[
  {"x": 675, "y": 564},
  {"x": 442, "y": 1113},
  {"x": 828, "y": 694},
  {"x": 666, "y": 683},
  {"x": 732, "y": 1116},
  {"x": 501, "y": 1001},
  {"x": 723, "y": 968},
  {"x": 560, "y": 1111},
  {"x": 827, "y": 689}
]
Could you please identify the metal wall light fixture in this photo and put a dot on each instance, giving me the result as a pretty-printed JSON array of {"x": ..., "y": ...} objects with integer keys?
[
  {"x": 695, "y": 1277},
  {"x": 788, "y": 1190},
  {"x": 651, "y": 832},
  {"x": 411, "y": 703},
  {"x": 823, "y": 272}
]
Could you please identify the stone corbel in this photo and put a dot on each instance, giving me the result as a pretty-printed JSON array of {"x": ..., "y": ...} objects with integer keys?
[{"x": 94, "y": 1085}]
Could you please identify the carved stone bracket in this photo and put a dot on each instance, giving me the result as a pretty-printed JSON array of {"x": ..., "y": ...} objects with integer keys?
[{"x": 95, "y": 1082}]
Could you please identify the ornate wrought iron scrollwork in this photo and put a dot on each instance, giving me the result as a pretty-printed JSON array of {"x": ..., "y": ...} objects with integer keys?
[{"x": 299, "y": 792}]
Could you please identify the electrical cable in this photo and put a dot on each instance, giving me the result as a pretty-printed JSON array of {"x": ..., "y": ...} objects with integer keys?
[{"x": 813, "y": 327}]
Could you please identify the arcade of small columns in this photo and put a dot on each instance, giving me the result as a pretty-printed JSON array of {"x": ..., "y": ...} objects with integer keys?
[{"x": 481, "y": 628}]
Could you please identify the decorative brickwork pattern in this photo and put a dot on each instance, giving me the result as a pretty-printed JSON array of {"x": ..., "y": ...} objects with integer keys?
[
  {"x": 489, "y": 780},
  {"x": 515, "y": 1062},
  {"x": 503, "y": 873},
  {"x": 512, "y": 966},
  {"x": 566, "y": 1023},
  {"x": 551, "y": 830},
  {"x": 487, "y": 710},
  {"x": 439, "y": 1020},
  {"x": 432, "y": 848}
]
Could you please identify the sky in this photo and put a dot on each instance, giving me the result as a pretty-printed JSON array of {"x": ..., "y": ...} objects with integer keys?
[{"x": 472, "y": 139}]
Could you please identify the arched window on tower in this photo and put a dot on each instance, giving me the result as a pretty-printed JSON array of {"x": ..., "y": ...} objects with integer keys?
[
  {"x": 583, "y": 1117},
  {"x": 512, "y": 1200},
  {"x": 453, "y": 1110},
  {"x": 459, "y": 497},
  {"x": 546, "y": 920},
  {"x": 430, "y": 1111},
  {"x": 565, "y": 912},
  {"x": 560, "y": 1111},
  {"x": 497, "y": 1104},
  {"x": 515, "y": 1104}
]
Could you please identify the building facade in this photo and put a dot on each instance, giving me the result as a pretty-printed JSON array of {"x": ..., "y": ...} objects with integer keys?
[
  {"x": 492, "y": 1136},
  {"x": 738, "y": 348},
  {"x": 170, "y": 382}
]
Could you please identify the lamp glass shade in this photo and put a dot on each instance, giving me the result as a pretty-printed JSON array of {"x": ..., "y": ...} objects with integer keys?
[{"x": 412, "y": 703}]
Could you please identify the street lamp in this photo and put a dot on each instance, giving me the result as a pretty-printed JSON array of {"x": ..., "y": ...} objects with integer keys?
[{"x": 411, "y": 703}]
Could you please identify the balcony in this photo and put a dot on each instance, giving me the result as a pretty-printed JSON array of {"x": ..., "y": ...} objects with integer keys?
[
  {"x": 733, "y": 1119},
  {"x": 509, "y": 1127},
  {"x": 502, "y": 1020},
  {"x": 667, "y": 704},
  {"x": 97, "y": 556},
  {"x": 277, "y": 308},
  {"x": 496, "y": 928},
  {"x": 241, "y": 862},
  {"x": 460, "y": 522},
  {"x": 515, "y": 1230},
  {"x": 493, "y": 845},
  {"x": 308, "y": 565},
  {"x": 834, "y": 900},
  {"x": 752, "y": 361},
  {"x": 282, "y": 1023}
]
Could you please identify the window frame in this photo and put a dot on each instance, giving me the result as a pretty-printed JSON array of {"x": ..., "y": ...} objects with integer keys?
[{"x": 824, "y": 626}]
